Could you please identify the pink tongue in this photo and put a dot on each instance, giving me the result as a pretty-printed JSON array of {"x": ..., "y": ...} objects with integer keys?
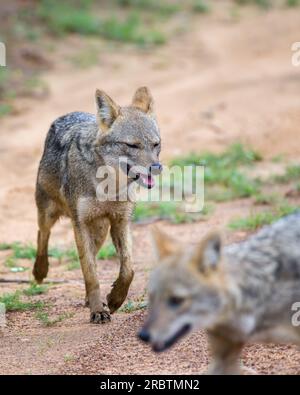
[{"x": 147, "y": 180}]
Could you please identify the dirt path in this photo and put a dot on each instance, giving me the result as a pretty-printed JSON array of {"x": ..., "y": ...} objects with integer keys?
[{"x": 221, "y": 82}]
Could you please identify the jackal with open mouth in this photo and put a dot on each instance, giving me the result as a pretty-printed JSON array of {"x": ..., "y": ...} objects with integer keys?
[
  {"x": 77, "y": 145},
  {"x": 243, "y": 293}
]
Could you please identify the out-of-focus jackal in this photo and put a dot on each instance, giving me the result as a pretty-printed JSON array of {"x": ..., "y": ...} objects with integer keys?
[{"x": 242, "y": 293}]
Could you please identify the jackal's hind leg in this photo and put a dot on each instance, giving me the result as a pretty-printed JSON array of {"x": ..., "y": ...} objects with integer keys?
[
  {"x": 46, "y": 219},
  {"x": 121, "y": 237}
]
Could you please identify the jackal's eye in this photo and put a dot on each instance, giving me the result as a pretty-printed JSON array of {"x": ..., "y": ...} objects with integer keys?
[
  {"x": 175, "y": 301},
  {"x": 156, "y": 145},
  {"x": 135, "y": 146}
]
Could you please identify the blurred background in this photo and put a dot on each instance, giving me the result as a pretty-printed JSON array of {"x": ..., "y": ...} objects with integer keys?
[{"x": 226, "y": 95}]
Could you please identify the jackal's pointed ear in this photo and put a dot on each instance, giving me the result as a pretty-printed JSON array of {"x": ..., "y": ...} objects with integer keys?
[
  {"x": 107, "y": 110},
  {"x": 207, "y": 253},
  {"x": 163, "y": 244},
  {"x": 143, "y": 100}
]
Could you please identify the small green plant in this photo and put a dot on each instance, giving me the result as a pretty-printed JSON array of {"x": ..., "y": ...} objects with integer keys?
[
  {"x": 235, "y": 155},
  {"x": 73, "y": 265},
  {"x": 13, "y": 302},
  {"x": 68, "y": 357},
  {"x": 5, "y": 109},
  {"x": 86, "y": 58},
  {"x": 264, "y": 199},
  {"x": 5, "y": 246},
  {"x": 157, "y": 6},
  {"x": 171, "y": 211},
  {"x": 57, "y": 253},
  {"x": 132, "y": 306},
  {"x": 292, "y": 3},
  {"x": 292, "y": 173},
  {"x": 277, "y": 158},
  {"x": 108, "y": 251},
  {"x": 10, "y": 262},
  {"x": 201, "y": 6},
  {"x": 43, "y": 316},
  {"x": 130, "y": 30},
  {"x": 255, "y": 221},
  {"x": 225, "y": 172},
  {"x": 63, "y": 17},
  {"x": 26, "y": 251},
  {"x": 72, "y": 257},
  {"x": 35, "y": 289},
  {"x": 264, "y": 3},
  {"x": 261, "y": 3}
]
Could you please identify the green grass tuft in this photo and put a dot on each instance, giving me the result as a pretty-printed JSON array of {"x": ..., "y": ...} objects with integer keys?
[
  {"x": 255, "y": 221},
  {"x": 35, "y": 289},
  {"x": 5, "y": 246},
  {"x": 107, "y": 252},
  {"x": 292, "y": 173},
  {"x": 73, "y": 265},
  {"x": 160, "y": 7},
  {"x": 63, "y": 17},
  {"x": 292, "y": 3},
  {"x": 261, "y": 3},
  {"x": 130, "y": 30},
  {"x": 26, "y": 251},
  {"x": 171, "y": 211},
  {"x": 201, "y": 6},
  {"x": 13, "y": 302},
  {"x": 225, "y": 171},
  {"x": 43, "y": 316},
  {"x": 132, "y": 306},
  {"x": 266, "y": 199},
  {"x": 5, "y": 109}
]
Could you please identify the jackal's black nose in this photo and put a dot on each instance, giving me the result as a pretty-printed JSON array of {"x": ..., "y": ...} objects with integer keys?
[
  {"x": 156, "y": 168},
  {"x": 144, "y": 335}
]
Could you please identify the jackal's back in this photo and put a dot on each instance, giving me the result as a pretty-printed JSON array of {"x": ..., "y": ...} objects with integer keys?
[
  {"x": 70, "y": 136},
  {"x": 274, "y": 249},
  {"x": 267, "y": 268}
]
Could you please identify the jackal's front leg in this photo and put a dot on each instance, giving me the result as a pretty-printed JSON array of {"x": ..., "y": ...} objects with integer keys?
[
  {"x": 87, "y": 253},
  {"x": 225, "y": 356},
  {"x": 121, "y": 236}
]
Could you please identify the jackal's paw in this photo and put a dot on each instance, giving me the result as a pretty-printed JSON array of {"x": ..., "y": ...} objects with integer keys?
[
  {"x": 100, "y": 317},
  {"x": 40, "y": 269},
  {"x": 115, "y": 300},
  {"x": 118, "y": 293}
]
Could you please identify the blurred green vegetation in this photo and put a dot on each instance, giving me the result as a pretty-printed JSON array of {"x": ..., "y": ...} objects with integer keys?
[
  {"x": 269, "y": 3},
  {"x": 257, "y": 220},
  {"x": 260, "y": 3},
  {"x": 225, "y": 174},
  {"x": 171, "y": 211},
  {"x": 201, "y": 6},
  {"x": 143, "y": 23},
  {"x": 79, "y": 17}
]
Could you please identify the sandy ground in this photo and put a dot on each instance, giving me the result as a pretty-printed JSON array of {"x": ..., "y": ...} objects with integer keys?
[{"x": 220, "y": 82}]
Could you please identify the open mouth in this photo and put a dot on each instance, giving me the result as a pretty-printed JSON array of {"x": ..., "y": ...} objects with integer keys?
[
  {"x": 159, "y": 347},
  {"x": 144, "y": 179}
]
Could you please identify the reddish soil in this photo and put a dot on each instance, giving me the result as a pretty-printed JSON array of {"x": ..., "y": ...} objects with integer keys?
[{"x": 220, "y": 82}]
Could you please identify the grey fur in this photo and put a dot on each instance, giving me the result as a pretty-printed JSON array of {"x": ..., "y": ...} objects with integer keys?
[
  {"x": 77, "y": 144},
  {"x": 247, "y": 296}
]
